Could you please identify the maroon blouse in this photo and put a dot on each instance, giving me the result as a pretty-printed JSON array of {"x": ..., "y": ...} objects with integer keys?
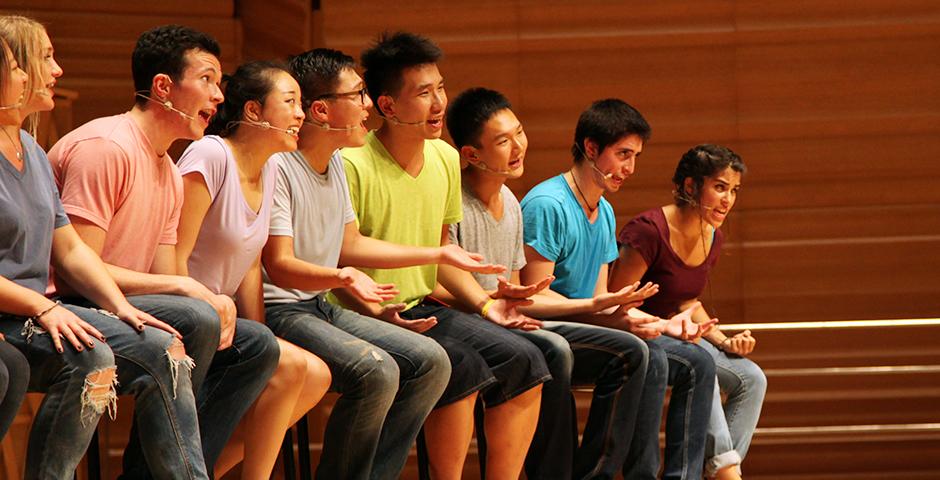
[{"x": 648, "y": 234}]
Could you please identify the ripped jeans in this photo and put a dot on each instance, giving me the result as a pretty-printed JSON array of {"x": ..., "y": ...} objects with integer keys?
[
  {"x": 154, "y": 368},
  {"x": 74, "y": 402},
  {"x": 80, "y": 386}
]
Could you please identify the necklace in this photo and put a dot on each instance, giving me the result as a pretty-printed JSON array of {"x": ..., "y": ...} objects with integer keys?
[
  {"x": 591, "y": 209},
  {"x": 19, "y": 152}
]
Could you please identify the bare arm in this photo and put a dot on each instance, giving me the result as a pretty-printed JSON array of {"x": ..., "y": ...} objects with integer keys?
[
  {"x": 621, "y": 316},
  {"x": 132, "y": 282},
  {"x": 388, "y": 312},
  {"x": 741, "y": 343},
  {"x": 361, "y": 251},
  {"x": 196, "y": 202},
  {"x": 472, "y": 297},
  {"x": 249, "y": 298},
  {"x": 288, "y": 271},
  {"x": 19, "y": 300},
  {"x": 86, "y": 273}
]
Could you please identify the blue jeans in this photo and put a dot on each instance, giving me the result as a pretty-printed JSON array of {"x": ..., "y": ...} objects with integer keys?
[
  {"x": 615, "y": 364},
  {"x": 164, "y": 404},
  {"x": 14, "y": 378},
  {"x": 65, "y": 421},
  {"x": 389, "y": 380},
  {"x": 226, "y": 383},
  {"x": 730, "y": 428},
  {"x": 690, "y": 370}
]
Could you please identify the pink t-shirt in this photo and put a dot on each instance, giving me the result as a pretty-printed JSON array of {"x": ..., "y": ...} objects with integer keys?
[
  {"x": 232, "y": 234},
  {"x": 109, "y": 175}
]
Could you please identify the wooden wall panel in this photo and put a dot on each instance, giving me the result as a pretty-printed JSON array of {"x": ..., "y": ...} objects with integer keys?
[
  {"x": 836, "y": 110},
  {"x": 94, "y": 40}
]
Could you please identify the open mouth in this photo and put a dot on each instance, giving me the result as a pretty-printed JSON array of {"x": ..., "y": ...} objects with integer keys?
[
  {"x": 206, "y": 114},
  {"x": 515, "y": 164},
  {"x": 436, "y": 122}
]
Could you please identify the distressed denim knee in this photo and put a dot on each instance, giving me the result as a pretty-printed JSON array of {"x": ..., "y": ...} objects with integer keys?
[{"x": 374, "y": 371}]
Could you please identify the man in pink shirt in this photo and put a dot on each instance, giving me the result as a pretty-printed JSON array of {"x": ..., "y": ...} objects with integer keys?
[{"x": 123, "y": 194}]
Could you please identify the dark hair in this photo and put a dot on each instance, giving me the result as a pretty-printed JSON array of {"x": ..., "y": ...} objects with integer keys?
[
  {"x": 699, "y": 163},
  {"x": 606, "y": 122},
  {"x": 317, "y": 71},
  {"x": 162, "y": 50},
  {"x": 390, "y": 55},
  {"x": 252, "y": 81},
  {"x": 467, "y": 114}
]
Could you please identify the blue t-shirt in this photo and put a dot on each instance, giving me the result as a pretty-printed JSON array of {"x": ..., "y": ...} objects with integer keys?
[
  {"x": 557, "y": 228},
  {"x": 29, "y": 212}
]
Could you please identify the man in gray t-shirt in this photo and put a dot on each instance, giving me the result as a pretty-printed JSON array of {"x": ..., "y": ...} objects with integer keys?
[
  {"x": 498, "y": 240},
  {"x": 313, "y": 209}
]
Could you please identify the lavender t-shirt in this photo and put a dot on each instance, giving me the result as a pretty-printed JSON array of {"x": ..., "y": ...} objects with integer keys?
[
  {"x": 232, "y": 234},
  {"x": 648, "y": 234}
]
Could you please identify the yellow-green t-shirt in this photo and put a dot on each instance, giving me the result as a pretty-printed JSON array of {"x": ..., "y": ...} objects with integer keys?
[{"x": 392, "y": 205}]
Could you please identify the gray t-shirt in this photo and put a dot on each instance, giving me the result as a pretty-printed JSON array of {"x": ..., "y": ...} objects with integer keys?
[
  {"x": 30, "y": 210},
  {"x": 499, "y": 242},
  {"x": 313, "y": 209}
]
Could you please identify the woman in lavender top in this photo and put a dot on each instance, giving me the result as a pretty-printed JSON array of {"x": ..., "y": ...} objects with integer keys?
[{"x": 228, "y": 186}]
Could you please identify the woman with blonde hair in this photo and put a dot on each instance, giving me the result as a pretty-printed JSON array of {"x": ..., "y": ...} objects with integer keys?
[{"x": 112, "y": 352}]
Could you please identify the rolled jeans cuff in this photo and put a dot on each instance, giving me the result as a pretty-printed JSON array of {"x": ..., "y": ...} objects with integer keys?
[{"x": 720, "y": 461}]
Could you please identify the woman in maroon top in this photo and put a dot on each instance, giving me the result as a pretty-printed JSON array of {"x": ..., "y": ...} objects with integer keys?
[{"x": 676, "y": 246}]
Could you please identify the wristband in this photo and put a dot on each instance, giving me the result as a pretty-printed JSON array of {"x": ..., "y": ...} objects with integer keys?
[
  {"x": 721, "y": 346},
  {"x": 486, "y": 307}
]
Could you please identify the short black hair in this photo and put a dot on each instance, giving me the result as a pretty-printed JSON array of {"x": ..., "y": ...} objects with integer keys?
[
  {"x": 162, "y": 50},
  {"x": 467, "y": 114},
  {"x": 251, "y": 81},
  {"x": 606, "y": 122},
  {"x": 317, "y": 71},
  {"x": 699, "y": 163},
  {"x": 390, "y": 55}
]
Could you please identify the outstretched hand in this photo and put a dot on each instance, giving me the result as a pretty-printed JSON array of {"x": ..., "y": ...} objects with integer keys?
[
  {"x": 682, "y": 326},
  {"x": 646, "y": 328},
  {"x": 390, "y": 313},
  {"x": 503, "y": 312},
  {"x": 363, "y": 287},
  {"x": 472, "y": 262},
  {"x": 507, "y": 289},
  {"x": 631, "y": 296}
]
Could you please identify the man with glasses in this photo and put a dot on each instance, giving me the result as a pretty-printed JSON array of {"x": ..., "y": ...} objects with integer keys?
[{"x": 389, "y": 376}]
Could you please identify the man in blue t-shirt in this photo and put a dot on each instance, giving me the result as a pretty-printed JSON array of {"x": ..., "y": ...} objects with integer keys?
[{"x": 569, "y": 232}]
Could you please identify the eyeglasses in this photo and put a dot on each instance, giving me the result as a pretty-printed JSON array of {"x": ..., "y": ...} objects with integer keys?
[{"x": 363, "y": 93}]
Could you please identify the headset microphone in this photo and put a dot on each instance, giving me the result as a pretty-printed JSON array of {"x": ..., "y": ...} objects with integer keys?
[
  {"x": 265, "y": 125},
  {"x": 168, "y": 106},
  {"x": 606, "y": 176},
  {"x": 396, "y": 121},
  {"x": 329, "y": 128},
  {"x": 501, "y": 173},
  {"x": 680, "y": 195},
  {"x": 11, "y": 107}
]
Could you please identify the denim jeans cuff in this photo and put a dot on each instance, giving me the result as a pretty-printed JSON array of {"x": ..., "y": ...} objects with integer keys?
[{"x": 722, "y": 460}]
